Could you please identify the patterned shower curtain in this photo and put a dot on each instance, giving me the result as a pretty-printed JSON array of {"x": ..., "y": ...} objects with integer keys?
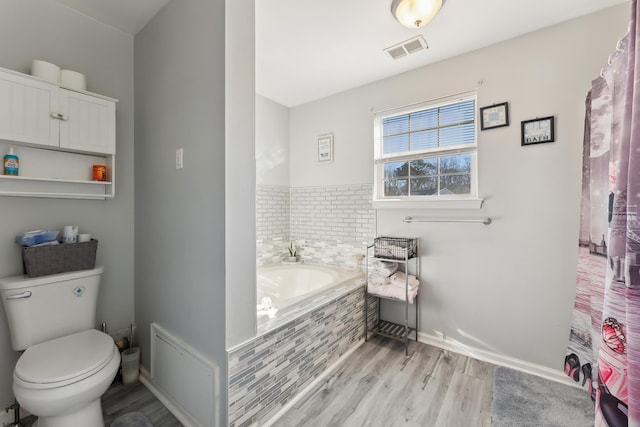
[{"x": 604, "y": 345}]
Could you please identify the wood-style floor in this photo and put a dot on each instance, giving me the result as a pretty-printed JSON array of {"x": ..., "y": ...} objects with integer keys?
[
  {"x": 121, "y": 399},
  {"x": 375, "y": 386},
  {"x": 378, "y": 386}
]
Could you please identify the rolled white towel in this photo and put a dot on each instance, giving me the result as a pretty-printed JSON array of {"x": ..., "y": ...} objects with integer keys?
[
  {"x": 399, "y": 279},
  {"x": 384, "y": 267}
]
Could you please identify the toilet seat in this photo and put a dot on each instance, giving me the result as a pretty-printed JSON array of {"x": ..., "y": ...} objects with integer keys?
[{"x": 64, "y": 360}]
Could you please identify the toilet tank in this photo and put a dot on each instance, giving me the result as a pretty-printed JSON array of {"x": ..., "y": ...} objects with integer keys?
[{"x": 42, "y": 308}]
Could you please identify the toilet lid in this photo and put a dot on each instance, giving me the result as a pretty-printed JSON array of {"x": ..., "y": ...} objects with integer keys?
[{"x": 65, "y": 358}]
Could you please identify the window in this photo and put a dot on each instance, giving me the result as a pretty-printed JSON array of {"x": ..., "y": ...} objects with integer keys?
[{"x": 427, "y": 152}]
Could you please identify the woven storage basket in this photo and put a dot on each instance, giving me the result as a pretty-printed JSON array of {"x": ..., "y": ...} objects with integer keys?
[{"x": 44, "y": 260}]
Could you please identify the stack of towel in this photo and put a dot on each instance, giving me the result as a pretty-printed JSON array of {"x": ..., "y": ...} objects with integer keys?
[
  {"x": 380, "y": 272},
  {"x": 386, "y": 281}
]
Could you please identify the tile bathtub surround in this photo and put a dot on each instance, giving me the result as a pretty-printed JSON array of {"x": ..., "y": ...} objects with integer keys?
[
  {"x": 341, "y": 254},
  {"x": 267, "y": 372},
  {"x": 327, "y": 224},
  {"x": 271, "y": 251},
  {"x": 272, "y": 213},
  {"x": 272, "y": 223},
  {"x": 333, "y": 213}
]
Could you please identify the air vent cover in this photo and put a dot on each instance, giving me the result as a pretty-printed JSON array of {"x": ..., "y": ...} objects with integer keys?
[{"x": 407, "y": 47}]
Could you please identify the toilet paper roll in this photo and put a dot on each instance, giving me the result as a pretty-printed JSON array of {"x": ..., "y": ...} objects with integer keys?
[
  {"x": 73, "y": 80},
  {"x": 45, "y": 70}
]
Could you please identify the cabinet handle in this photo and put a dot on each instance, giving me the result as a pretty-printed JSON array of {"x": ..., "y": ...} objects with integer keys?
[
  {"x": 25, "y": 294},
  {"x": 59, "y": 116}
]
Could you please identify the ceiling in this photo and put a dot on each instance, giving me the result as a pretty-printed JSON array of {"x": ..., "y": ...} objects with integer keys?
[
  {"x": 129, "y": 16},
  {"x": 307, "y": 50}
]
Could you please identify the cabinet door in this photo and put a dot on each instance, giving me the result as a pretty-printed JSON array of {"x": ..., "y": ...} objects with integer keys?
[
  {"x": 88, "y": 123},
  {"x": 26, "y": 108}
]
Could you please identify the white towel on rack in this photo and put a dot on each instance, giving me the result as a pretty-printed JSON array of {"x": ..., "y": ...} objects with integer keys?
[
  {"x": 378, "y": 279},
  {"x": 391, "y": 291},
  {"x": 384, "y": 267},
  {"x": 399, "y": 279}
]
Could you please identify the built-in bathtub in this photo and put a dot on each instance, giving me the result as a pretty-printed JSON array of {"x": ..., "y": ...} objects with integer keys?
[
  {"x": 293, "y": 289},
  {"x": 319, "y": 319},
  {"x": 288, "y": 284}
]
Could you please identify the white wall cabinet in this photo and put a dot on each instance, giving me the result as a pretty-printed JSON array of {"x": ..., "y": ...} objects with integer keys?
[
  {"x": 26, "y": 108},
  {"x": 87, "y": 123},
  {"x": 58, "y": 134}
]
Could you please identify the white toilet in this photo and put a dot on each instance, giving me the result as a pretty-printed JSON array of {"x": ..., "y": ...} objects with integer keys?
[{"x": 67, "y": 365}]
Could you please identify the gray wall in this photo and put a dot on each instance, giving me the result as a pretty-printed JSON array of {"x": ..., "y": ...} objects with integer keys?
[
  {"x": 180, "y": 214},
  {"x": 508, "y": 288},
  {"x": 240, "y": 173},
  {"x": 272, "y": 143},
  {"x": 43, "y": 29}
]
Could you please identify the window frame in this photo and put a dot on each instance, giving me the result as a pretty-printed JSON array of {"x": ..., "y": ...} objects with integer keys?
[{"x": 469, "y": 200}]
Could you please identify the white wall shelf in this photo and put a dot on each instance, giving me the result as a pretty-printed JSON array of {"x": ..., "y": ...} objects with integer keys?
[
  {"x": 70, "y": 181},
  {"x": 21, "y": 186}
]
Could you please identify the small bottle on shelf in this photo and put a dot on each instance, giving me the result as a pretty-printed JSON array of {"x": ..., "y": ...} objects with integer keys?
[{"x": 11, "y": 163}]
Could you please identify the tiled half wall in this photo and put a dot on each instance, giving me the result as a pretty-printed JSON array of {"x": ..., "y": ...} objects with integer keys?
[
  {"x": 327, "y": 225},
  {"x": 268, "y": 371}
]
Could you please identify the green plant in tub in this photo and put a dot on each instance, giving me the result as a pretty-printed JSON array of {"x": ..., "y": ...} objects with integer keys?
[{"x": 292, "y": 251}]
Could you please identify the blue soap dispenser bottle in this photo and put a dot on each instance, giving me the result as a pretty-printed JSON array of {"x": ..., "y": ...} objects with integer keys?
[{"x": 11, "y": 163}]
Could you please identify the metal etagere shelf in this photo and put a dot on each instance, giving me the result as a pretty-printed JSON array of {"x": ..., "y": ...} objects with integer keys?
[{"x": 402, "y": 251}]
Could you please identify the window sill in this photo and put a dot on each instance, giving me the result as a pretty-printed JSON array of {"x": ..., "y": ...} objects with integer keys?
[{"x": 428, "y": 204}]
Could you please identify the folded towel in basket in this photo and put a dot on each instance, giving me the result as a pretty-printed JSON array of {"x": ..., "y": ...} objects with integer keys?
[
  {"x": 384, "y": 267},
  {"x": 391, "y": 291},
  {"x": 399, "y": 279}
]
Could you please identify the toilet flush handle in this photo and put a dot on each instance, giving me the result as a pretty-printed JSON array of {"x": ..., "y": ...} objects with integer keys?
[{"x": 25, "y": 294}]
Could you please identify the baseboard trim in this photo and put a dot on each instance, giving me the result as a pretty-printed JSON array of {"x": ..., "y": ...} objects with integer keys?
[
  {"x": 311, "y": 386},
  {"x": 182, "y": 416},
  {"x": 450, "y": 344}
]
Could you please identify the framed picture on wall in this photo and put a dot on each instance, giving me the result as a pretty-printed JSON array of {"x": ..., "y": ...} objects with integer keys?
[
  {"x": 325, "y": 148},
  {"x": 538, "y": 131},
  {"x": 494, "y": 116}
]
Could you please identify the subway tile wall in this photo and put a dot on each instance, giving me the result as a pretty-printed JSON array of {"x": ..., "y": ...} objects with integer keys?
[
  {"x": 272, "y": 213},
  {"x": 333, "y": 213},
  {"x": 328, "y": 225},
  {"x": 268, "y": 371},
  {"x": 272, "y": 223}
]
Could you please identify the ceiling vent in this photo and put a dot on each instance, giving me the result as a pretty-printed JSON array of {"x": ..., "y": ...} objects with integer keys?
[{"x": 407, "y": 47}]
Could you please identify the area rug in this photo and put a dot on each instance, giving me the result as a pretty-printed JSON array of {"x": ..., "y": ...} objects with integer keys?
[
  {"x": 132, "y": 419},
  {"x": 525, "y": 400}
]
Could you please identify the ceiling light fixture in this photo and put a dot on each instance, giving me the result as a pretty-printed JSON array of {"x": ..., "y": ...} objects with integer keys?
[{"x": 415, "y": 13}]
